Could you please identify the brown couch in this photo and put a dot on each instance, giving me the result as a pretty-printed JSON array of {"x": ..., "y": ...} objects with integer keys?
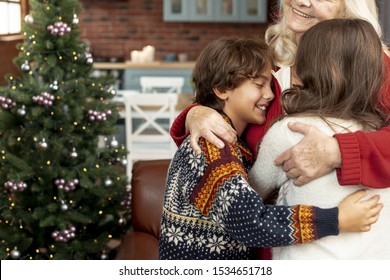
[{"x": 148, "y": 187}]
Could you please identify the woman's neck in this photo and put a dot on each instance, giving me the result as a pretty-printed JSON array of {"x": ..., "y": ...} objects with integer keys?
[
  {"x": 293, "y": 77},
  {"x": 298, "y": 37}
]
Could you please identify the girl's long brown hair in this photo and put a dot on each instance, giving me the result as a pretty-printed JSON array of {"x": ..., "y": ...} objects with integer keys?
[{"x": 341, "y": 68}]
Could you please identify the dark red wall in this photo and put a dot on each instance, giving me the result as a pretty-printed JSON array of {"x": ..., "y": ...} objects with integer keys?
[{"x": 7, "y": 53}]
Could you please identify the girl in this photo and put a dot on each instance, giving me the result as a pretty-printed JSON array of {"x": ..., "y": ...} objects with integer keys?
[{"x": 340, "y": 71}]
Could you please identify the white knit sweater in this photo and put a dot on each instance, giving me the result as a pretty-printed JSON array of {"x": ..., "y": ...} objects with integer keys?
[{"x": 323, "y": 192}]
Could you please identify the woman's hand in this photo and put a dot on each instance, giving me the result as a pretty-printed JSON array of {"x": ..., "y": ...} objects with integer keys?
[
  {"x": 205, "y": 122},
  {"x": 316, "y": 155},
  {"x": 357, "y": 215}
]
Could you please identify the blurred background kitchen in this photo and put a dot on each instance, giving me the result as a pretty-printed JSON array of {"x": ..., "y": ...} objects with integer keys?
[{"x": 177, "y": 30}]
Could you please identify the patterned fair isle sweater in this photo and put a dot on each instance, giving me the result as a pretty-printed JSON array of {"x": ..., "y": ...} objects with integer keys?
[{"x": 211, "y": 212}]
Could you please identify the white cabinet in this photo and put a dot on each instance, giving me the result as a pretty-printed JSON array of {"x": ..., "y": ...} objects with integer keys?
[{"x": 215, "y": 10}]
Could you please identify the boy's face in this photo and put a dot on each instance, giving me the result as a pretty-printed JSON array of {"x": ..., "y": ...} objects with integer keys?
[{"x": 248, "y": 103}]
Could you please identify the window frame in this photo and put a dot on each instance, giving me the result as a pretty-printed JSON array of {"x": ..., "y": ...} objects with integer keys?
[{"x": 23, "y": 12}]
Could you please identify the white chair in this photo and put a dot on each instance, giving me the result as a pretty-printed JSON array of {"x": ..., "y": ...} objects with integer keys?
[
  {"x": 120, "y": 98},
  {"x": 148, "y": 118},
  {"x": 161, "y": 84}
]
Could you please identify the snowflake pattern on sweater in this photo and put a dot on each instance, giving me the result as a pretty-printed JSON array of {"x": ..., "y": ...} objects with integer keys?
[{"x": 211, "y": 212}]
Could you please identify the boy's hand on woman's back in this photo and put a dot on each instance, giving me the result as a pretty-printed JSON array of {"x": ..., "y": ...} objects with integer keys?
[{"x": 357, "y": 214}]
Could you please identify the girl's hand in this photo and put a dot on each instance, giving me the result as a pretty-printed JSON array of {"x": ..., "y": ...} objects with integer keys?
[
  {"x": 357, "y": 215},
  {"x": 205, "y": 122},
  {"x": 316, "y": 155}
]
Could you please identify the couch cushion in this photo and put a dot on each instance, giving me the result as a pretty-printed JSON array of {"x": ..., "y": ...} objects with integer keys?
[
  {"x": 148, "y": 189},
  {"x": 138, "y": 246}
]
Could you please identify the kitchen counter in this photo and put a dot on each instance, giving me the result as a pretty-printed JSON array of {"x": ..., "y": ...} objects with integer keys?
[
  {"x": 130, "y": 72},
  {"x": 149, "y": 65}
]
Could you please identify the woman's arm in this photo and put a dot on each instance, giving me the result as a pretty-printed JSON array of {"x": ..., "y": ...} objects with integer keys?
[
  {"x": 178, "y": 130},
  {"x": 365, "y": 158},
  {"x": 360, "y": 158},
  {"x": 201, "y": 121}
]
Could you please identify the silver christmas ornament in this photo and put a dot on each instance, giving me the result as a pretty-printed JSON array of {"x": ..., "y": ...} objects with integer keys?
[
  {"x": 29, "y": 19},
  {"x": 43, "y": 145},
  {"x": 124, "y": 161},
  {"x": 108, "y": 182},
  {"x": 89, "y": 58},
  {"x": 25, "y": 66},
  {"x": 21, "y": 111},
  {"x": 15, "y": 254},
  {"x": 104, "y": 256},
  {"x": 54, "y": 85},
  {"x": 114, "y": 143},
  {"x": 75, "y": 19},
  {"x": 73, "y": 154},
  {"x": 64, "y": 206}
]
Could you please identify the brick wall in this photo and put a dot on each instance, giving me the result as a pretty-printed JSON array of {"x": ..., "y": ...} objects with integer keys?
[{"x": 116, "y": 27}]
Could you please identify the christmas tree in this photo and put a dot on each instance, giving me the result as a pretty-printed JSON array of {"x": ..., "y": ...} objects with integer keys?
[{"x": 62, "y": 196}]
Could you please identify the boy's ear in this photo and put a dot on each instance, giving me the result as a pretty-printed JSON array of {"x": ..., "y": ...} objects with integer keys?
[{"x": 223, "y": 95}]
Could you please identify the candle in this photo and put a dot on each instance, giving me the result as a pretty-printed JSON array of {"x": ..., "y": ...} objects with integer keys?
[
  {"x": 134, "y": 56},
  {"x": 137, "y": 56},
  {"x": 141, "y": 57},
  {"x": 148, "y": 52}
]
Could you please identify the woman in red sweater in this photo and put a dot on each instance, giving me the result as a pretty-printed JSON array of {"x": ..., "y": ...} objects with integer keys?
[{"x": 360, "y": 158}]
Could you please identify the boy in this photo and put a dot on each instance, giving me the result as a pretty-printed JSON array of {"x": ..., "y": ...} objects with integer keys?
[{"x": 210, "y": 211}]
